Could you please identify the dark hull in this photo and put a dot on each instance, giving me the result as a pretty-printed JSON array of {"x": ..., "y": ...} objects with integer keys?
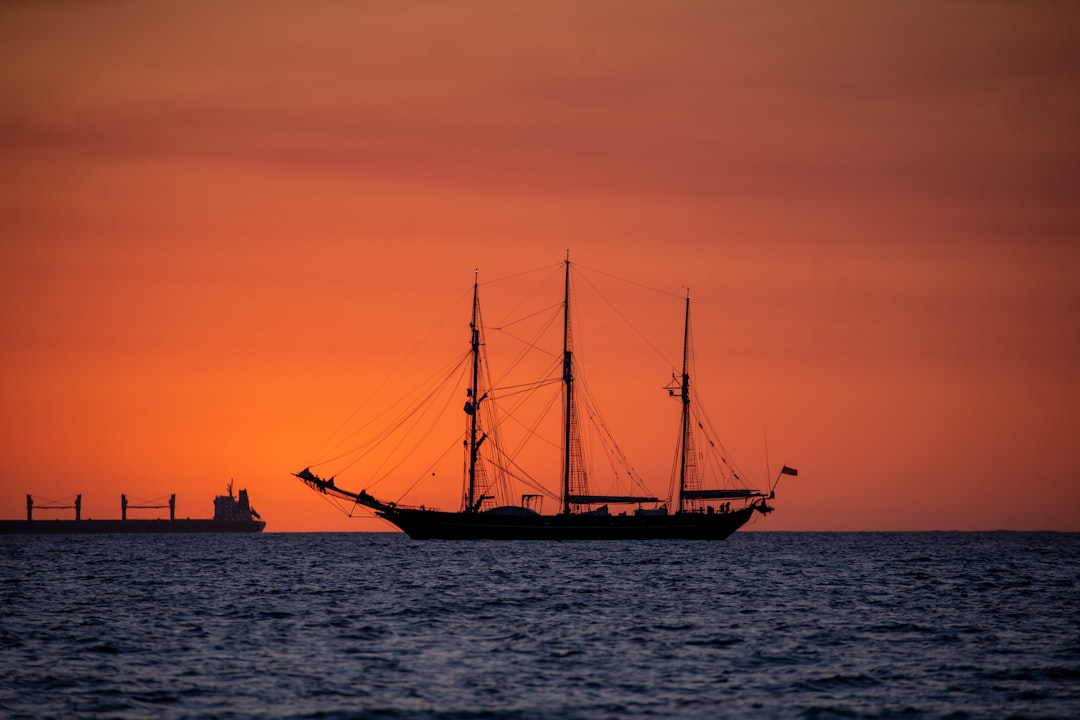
[
  {"x": 127, "y": 527},
  {"x": 438, "y": 525}
]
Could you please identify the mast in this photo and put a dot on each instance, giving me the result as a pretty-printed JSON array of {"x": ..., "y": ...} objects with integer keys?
[
  {"x": 472, "y": 405},
  {"x": 568, "y": 390},
  {"x": 685, "y": 396}
]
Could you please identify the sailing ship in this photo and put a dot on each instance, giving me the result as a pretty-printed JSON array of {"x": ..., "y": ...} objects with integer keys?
[{"x": 693, "y": 510}]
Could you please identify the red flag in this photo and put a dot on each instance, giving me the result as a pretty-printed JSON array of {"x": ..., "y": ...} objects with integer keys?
[{"x": 788, "y": 471}]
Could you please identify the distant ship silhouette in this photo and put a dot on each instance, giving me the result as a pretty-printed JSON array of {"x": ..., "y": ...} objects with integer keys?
[{"x": 231, "y": 514}]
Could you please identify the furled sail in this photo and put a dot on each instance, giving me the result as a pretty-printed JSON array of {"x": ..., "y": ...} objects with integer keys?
[
  {"x": 720, "y": 494},
  {"x": 613, "y": 499}
]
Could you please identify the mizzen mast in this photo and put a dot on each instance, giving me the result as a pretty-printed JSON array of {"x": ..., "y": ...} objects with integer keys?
[{"x": 686, "y": 435}]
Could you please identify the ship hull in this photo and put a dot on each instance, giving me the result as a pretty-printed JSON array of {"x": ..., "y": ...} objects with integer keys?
[
  {"x": 127, "y": 527},
  {"x": 438, "y": 525}
]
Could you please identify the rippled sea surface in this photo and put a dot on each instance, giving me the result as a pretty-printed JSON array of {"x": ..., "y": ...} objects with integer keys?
[{"x": 964, "y": 625}]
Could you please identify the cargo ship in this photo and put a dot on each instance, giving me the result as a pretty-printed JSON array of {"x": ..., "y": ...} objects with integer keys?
[{"x": 232, "y": 514}]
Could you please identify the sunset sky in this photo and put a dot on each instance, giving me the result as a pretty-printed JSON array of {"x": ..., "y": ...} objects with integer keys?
[{"x": 223, "y": 224}]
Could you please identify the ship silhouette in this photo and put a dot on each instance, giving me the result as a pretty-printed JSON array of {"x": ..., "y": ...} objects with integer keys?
[{"x": 708, "y": 500}]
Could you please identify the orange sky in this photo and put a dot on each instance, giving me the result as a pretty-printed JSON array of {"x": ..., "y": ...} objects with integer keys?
[{"x": 223, "y": 223}]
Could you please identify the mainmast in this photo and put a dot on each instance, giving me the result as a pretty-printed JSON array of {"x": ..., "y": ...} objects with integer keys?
[
  {"x": 472, "y": 405},
  {"x": 685, "y": 396},
  {"x": 568, "y": 390}
]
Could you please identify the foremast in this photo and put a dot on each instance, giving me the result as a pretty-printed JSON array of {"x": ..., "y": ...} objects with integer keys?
[{"x": 472, "y": 405}]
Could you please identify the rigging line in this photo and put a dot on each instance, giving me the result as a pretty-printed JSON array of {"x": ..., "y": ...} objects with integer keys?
[
  {"x": 522, "y": 476},
  {"x": 504, "y": 278},
  {"x": 508, "y": 391},
  {"x": 50, "y": 501},
  {"x": 529, "y": 345},
  {"x": 557, "y": 269},
  {"x": 491, "y": 423},
  {"x": 500, "y": 448},
  {"x": 436, "y": 417},
  {"x": 535, "y": 387},
  {"x": 701, "y": 413},
  {"x": 765, "y": 437},
  {"x": 426, "y": 472},
  {"x": 523, "y": 318},
  {"x": 494, "y": 421},
  {"x": 452, "y": 308},
  {"x": 363, "y": 451},
  {"x": 629, "y": 282},
  {"x": 592, "y": 407},
  {"x": 627, "y": 321},
  {"x": 530, "y": 430},
  {"x": 403, "y": 400},
  {"x": 533, "y": 344},
  {"x": 371, "y": 443},
  {"x": 713, "y": 436},
  {"x": 350, "y": 510},
  {"x": 672, "y": 496},
  {"x": 336, "y": 502},
  {"x": 592, "y": 432}
]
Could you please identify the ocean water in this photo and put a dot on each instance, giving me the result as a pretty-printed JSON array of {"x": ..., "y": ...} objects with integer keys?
[{"x": 763, "y": 625}]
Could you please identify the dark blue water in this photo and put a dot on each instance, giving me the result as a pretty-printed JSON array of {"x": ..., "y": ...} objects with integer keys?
[{"x": 964, "y": 625}]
